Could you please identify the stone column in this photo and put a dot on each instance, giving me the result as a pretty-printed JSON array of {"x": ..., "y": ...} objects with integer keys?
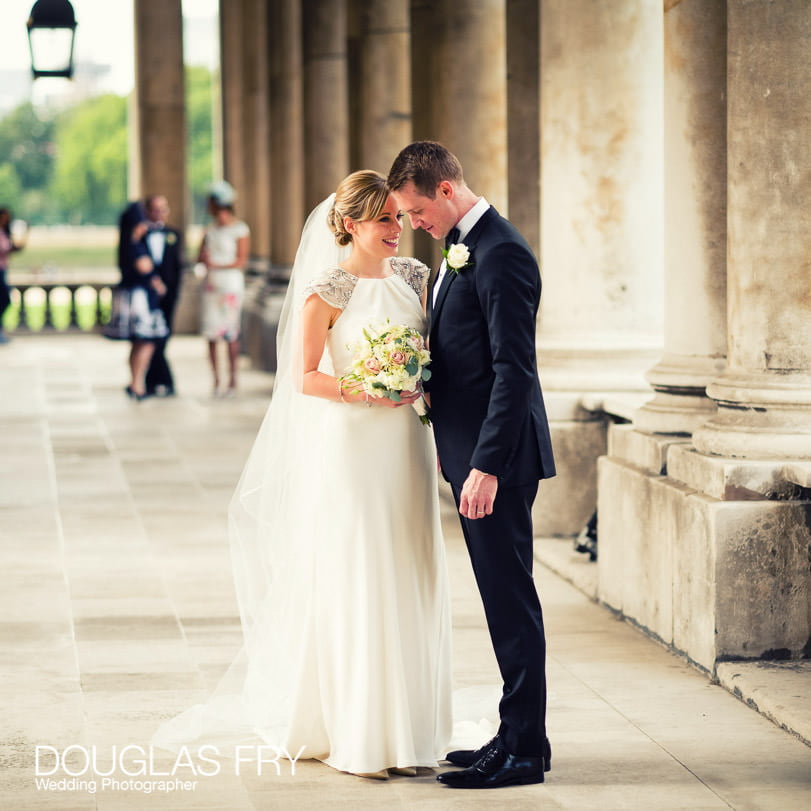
[
  {"x": 254, "y": 199},
  {"x": 423, "y": 100},
  {"x": 470, "y": 85},
  {"x": 385, "y": 87},
  {"x": 423, "y": 67},
  {"x": 764, "y": 397},
  {"x": 232, "y": 91},
  {"x": 385, "y": 122},
  {"x": 601, "y": 232},
  {"x": 695, "y": 218},
  {"x": 459, "y": 76},
  {"x": 286, "y": 130},
  {"x": 326, "y": 106},
  {"x": 601, "y": 165},
  {"x": 707, "y": 547},
  {"x": 523, "y": 119},
  {"x": 159, "y": 106}
]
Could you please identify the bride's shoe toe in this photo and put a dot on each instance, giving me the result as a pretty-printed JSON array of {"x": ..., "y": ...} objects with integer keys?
[
  {"x": 381, "y": 775},
  {"x": 407, "y": 771}
]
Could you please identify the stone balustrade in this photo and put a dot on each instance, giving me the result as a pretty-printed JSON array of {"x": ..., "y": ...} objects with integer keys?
[{"x": 60, "y": 306}]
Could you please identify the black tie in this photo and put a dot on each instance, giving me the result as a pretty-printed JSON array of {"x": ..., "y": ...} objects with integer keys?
[{"x": 451, "y": 239}]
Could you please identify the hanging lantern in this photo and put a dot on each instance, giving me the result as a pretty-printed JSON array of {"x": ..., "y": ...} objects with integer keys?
[{"x": 51, "y": 28}]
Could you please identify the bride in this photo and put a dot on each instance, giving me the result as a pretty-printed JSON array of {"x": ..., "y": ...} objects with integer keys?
[{"x": 336, "y": 541}]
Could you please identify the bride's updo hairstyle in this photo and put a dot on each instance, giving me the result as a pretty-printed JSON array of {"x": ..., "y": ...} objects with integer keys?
[{"x": 361, "y": 197}]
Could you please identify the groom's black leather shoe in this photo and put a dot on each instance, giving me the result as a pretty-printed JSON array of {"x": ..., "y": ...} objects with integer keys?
[
  {"x": 495, "y": 769},
  {"x": 467, "y": 757}
]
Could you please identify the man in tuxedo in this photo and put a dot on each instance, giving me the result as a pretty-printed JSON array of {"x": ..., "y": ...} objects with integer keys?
[
  {"x": 165, "y": 246},
  {"x": 492, "y": 437}
]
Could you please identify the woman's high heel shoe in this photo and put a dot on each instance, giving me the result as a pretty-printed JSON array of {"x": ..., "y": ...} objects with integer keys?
[
  {"x": 133, "y": 395},
  {"x": 406, "y": 771},
  {"x": 381, "y": 775}
]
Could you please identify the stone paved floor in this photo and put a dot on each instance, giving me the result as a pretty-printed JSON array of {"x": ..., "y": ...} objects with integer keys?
[{"x": 117, "y": 611}]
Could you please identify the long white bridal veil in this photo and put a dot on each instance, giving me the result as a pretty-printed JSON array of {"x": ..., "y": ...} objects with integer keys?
[
  {"x": 271, "y": 523},
  {"x": 269, "y": 497}
]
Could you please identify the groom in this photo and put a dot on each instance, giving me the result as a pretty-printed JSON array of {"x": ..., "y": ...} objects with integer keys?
[{"x": 492, "y": 436}]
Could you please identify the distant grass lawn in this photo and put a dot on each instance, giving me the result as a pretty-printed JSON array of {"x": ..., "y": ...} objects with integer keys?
[{"x": 36, "y": 257}]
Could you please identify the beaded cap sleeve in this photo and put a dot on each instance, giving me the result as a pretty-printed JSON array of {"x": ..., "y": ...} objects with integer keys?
[
  {"x": 413, "y": 272},
  {"x": 333, "y": 285}
]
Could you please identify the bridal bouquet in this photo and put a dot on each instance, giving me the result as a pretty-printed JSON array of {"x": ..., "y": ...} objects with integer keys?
[{"x": 390, "y": 359}]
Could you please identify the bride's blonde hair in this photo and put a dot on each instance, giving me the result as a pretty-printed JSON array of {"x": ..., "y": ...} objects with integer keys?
[{"x": 361, "y": 196}]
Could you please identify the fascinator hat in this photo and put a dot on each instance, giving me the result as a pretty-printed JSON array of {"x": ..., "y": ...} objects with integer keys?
[{"x": 222, "y": 192}]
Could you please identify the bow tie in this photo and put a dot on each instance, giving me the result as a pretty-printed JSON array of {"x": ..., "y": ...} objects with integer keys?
[{"x": 452, "y": 238}]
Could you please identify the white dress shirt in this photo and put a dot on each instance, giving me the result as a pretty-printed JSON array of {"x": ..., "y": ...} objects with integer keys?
[
  {"x": 156, "y": 242},
  {"x": 465, "y": 226}
]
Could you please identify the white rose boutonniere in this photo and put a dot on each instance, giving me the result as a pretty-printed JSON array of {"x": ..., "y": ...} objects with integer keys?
[
  {"x": 171, "y": 239},
  {"x": 457, "y": 257}
]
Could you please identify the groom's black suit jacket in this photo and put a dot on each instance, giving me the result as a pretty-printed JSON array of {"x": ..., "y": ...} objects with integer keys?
[
  {"x": 486, "y": 401},
  {"x": 170, "y": 268}
]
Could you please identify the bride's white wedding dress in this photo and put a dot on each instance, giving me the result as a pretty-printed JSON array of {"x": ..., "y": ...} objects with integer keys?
[{"x": 340, "y": 568}]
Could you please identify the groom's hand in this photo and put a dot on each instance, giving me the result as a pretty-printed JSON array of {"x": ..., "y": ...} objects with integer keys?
[{"x": 478, "y": 495}]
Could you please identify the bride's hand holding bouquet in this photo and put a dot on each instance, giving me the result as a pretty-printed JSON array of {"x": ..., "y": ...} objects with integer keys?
[{"x": 389, "y": 365}]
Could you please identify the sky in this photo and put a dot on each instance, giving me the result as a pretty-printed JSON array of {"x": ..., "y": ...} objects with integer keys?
[{"x": 103, "y": 35}]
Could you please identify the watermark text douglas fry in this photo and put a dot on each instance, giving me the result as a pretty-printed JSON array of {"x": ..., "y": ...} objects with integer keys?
[{"x": 136, "y": 768}]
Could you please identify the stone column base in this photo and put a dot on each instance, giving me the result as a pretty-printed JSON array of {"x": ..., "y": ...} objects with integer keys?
[
  {"x": 260, "y": 321},
  {"x": 669, "y": 413},
  {"x": 586, "y": 385},
  {"x": 709, "y": 555},
  {"x": 566, "y": 502},
  {"x": 680, "y": 404},
  {"x": 761, "y": 415}
]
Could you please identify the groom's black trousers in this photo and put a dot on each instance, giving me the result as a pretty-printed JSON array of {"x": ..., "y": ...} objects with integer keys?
[{"x": 500, "y": 548}]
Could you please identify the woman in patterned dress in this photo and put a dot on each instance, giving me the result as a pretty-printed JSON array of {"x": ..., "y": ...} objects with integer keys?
[{"x": 224, "y": 252}]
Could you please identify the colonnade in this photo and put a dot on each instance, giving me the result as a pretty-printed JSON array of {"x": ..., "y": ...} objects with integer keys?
[
  {"x": 704, "y": 500},
  {"x": 655, "y": 156}
]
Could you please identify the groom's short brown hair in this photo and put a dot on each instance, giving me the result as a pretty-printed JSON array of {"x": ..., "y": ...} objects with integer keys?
[{"x": 425, "y": 164}]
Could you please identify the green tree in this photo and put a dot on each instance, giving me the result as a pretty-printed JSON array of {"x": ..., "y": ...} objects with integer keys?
[
  {"x": 10, "y": 187},
  {"x": 90, "y": 175},
  {"x": 199, "y": 138},
  {"x": 73, "y": 167},
  {"x": 26, "y": 161},
  {"x": 26, "y": 141}
]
